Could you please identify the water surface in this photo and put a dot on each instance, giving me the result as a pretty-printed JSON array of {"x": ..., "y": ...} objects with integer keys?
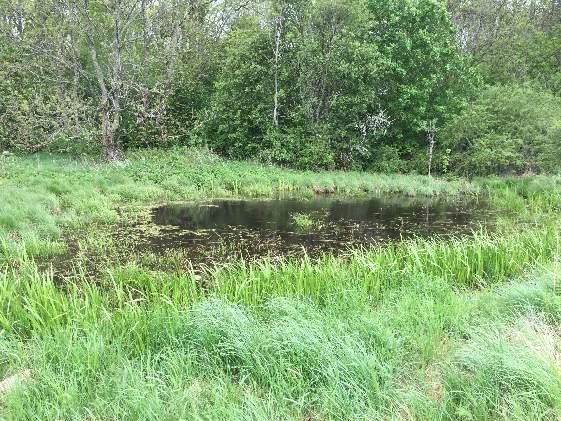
[{"x": 256, "y": 228}]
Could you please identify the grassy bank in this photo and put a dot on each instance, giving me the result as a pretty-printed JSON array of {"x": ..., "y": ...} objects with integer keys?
[
  {"x": 424, "y": 329},
  {"x": 424, "y": 350}
]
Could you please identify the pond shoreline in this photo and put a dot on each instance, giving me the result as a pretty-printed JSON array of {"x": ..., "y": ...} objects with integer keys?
[{"x": 424, "y": 326}]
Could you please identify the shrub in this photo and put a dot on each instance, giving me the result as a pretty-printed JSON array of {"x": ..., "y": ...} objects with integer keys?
[
  {"x": 386, "y": 159},
  {"x": 506, "y": 130},
  {"x": 298, "y": 149}
]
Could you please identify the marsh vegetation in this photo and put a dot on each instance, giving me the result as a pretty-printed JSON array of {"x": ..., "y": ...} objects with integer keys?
[
  {"x": 302, "y": 221},
  {"x": 461, "y": 326}
]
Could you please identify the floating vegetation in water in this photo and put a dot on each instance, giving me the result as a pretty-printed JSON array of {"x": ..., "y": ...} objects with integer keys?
[{"x": 312, "y": 227}]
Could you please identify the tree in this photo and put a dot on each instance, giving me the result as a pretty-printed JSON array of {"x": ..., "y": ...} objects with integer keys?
[
  {"x": 310, "y": 84},
  {"x": 511, "y": 41},
  {"x": 43, "y": 72},
  {"x": 425, "y": 77},
  {"x": 135, "y": 60},
  {"x": 197, "y": 68},
  {"x": 240, "y": 106},
  {"x": 313, "y": 61},
  {"x": 122, "y": 14},
  {"x": 430, "y": 130},
  {"x": 108, "y": 62}
]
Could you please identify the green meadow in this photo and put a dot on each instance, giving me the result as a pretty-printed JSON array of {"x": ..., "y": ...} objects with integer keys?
[{"x": 456, "y": 328}]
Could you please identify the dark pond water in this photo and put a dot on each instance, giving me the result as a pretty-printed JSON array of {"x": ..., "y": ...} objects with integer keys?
[{"x": 256, "y": 228}]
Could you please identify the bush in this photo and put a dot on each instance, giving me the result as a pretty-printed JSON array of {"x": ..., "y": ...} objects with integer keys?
[
  {"x": 506, "y": 130},
  {"x": 298, "y": 149},
  {"x": 387, "y": 159}
]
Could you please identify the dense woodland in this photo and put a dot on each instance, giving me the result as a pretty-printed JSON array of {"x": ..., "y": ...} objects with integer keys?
[{"x": 461, "y": 86}]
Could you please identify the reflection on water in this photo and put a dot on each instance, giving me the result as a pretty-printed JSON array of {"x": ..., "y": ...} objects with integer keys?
[{"x": 255, "y": 228}]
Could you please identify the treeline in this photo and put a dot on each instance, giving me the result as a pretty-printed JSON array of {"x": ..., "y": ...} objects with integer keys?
[{"x": 469, "y": 86}]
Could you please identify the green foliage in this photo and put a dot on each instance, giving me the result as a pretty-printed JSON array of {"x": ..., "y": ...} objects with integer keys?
[
  {"x": 507, "y": 129},
  {"x": 325, "y": 78},
  {"x": 40, "y": 109},
  {"x": 347, "y": 90},
  {"x": 241, "y": 102},
  {"x": 483, "y": 260},
  {"x": 354, "y": 82},
  {"x": 302, "y": 221},
  {"x": 512, "y": 45},
  {"x": 335, "y": 91},
  {"x": 426, "y": 77},
  {"x": 299, "y": 148},
  {"x": 386, "y": 159},
  {"x": 351, "y": 79}
]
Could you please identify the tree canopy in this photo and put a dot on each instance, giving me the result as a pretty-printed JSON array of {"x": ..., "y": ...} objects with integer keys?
[{"x": 302, "y": 83}]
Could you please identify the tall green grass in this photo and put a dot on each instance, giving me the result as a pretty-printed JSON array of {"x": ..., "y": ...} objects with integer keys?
[
  {"x": 424, "y": 329},
  {"x": 425, "y": 350},
  {"x": 28, "y": 295},
  {"x": 471, "y": 262},
  {"x": 532, "y": 193}
]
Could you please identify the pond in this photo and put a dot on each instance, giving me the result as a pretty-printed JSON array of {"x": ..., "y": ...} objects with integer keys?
[{"x": 227, "y": 229}]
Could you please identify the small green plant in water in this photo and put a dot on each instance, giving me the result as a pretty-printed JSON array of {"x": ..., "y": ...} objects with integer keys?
[{"x": 302, "y": 221}]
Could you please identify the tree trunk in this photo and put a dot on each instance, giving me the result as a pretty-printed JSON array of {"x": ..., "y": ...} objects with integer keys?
[
  {"x": 276, "y": 52},
  {"x": 431, "y": 138},
  {"x": 431, "y": 150},
  {"x": 109, "y": 102},
  {"x": 144, "y": 61},
  {"x": 110, "y": 152}
]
